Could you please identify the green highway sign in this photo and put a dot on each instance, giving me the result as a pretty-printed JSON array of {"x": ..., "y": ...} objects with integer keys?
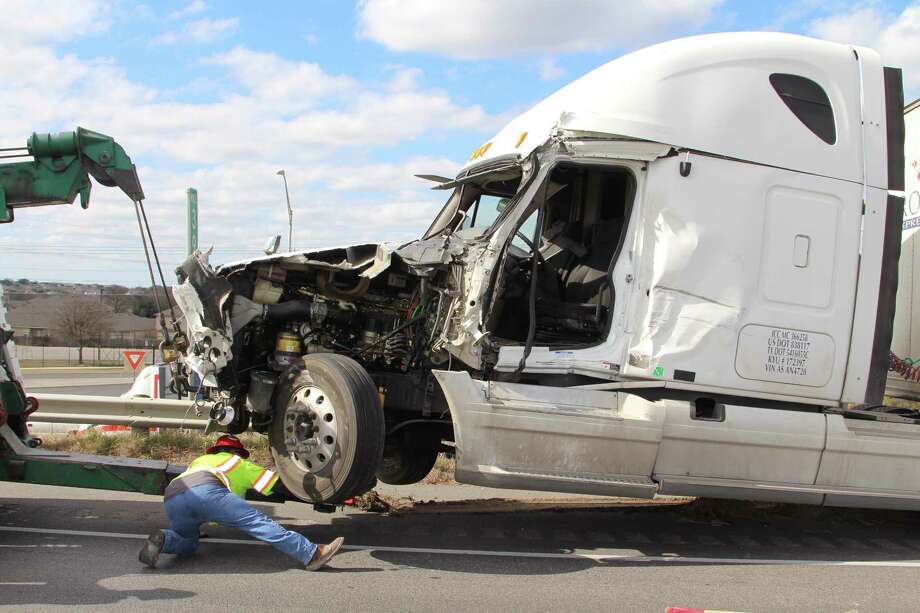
[{"x": 192, "y": 219}]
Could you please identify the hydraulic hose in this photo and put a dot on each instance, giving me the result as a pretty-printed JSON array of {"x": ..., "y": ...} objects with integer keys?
[{"x": 286, "y": 311}]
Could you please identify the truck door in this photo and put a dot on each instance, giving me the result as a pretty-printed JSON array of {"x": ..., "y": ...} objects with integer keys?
[
  {"x": 731, "y": 451},
  {"x": 871, "y": 464},
  {"x": 583, "y": 270},
  {"x": 552, "y": 438}
]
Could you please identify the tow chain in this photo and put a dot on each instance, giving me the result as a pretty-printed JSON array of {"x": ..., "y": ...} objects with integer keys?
[{"x": 905, "y": 368}]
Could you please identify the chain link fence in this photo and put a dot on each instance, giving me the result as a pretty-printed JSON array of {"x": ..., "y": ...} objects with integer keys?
[{"x": 40, "y": 356}]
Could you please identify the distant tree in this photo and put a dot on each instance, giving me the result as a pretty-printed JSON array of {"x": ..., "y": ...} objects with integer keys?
[
  {"x": 82, "y": 320},
  {"x": 23, "y": 281},
  {"x": 117, "y": 297},
  {"x": 144, "y": 306}
]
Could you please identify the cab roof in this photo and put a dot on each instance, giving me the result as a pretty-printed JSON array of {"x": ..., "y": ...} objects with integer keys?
[{"x": 713, "y": 94}]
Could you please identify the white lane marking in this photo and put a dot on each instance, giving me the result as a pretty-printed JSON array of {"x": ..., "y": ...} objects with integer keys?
[
  {"x": 595, "y": 557},
  {"x": 23, "y": 583},
  {"x": 44, "y": 545},
  {"x": 123, "y": 535}
]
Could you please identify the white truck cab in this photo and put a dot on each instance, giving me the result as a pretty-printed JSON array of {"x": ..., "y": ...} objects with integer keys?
[
  {"x": 751, "y": 286},
  {"x": 675, "y": 275}
]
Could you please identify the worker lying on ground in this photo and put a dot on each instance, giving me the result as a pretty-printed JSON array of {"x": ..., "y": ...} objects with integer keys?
[{"x": 212, "y": 490}]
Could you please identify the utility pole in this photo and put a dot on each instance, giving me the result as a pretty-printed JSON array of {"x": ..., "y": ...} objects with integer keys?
[{"x": 290, "y": 211}]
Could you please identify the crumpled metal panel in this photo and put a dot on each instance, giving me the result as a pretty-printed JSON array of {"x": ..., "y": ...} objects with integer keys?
[
  {"x": 205, "y": 365},
  {"x": 370, "y": 259}
]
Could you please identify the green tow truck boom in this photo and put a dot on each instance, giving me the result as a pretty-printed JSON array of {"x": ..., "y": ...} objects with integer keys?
[{"x": 59, "y": 170}]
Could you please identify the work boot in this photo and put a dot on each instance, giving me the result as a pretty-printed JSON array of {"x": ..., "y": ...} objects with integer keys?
[
  {"x": 324, "y": 553},
  {"x": 150, "y": 552}
]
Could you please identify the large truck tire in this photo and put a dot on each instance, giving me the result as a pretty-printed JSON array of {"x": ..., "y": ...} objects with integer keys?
[
  {"x": 328, "y": 430},
  {"x": 402, "y": 464}
]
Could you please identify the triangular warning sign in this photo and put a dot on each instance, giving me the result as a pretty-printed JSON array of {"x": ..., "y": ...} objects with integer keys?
[{"x": 134, "y": 358}]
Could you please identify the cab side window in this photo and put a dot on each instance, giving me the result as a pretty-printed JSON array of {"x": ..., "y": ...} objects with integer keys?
[{"x": 808, "y": 102}]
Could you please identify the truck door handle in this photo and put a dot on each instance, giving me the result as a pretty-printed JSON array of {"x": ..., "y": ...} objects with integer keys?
[{"x": 800, "y": 250}]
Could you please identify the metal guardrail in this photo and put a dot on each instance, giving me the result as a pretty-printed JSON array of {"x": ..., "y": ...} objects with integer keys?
[{"x": 117, "y": 411}]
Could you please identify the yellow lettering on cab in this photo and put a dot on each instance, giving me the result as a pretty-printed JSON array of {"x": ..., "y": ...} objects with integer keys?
[{"x": 481, "y": 151}]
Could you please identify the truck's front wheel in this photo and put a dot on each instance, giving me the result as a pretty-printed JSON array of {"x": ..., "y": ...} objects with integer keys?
[
  {"x": 328, "y": 429},
  {"x": 406, "y": 460}
]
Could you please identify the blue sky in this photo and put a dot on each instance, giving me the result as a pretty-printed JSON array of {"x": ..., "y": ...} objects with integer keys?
[{"x": 351, "y": 99}]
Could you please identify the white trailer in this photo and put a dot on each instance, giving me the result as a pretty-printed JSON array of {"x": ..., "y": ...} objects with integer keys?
[{"x": 906, "y": 339}]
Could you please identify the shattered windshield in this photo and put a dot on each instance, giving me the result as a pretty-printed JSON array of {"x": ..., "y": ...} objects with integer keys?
[
  {"x": 477, "y": 203},
  {"x": 484, "y": 211}
]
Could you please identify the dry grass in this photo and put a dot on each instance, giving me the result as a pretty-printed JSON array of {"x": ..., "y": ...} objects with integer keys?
[
  {"x": 902, "y": 403},
  {"x": 174, "y": 446},
  {"x": 443, "y": 471},
  {"x": 181, "y": 447}
]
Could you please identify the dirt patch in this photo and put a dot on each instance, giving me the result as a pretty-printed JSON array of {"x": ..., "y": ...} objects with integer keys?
[
  {"x": 498, "y": 505},
  {"x": 373, "y": 502}
]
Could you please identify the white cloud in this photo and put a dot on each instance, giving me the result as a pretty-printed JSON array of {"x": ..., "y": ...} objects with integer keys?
[
  {"x": 486, "y": 28},
  {"x": 206, "y": 30},
  {"x": 404, "y": 79},
  {"x": 36, "y": 21},
  {"x": 192, "y": 8},
  {"x": 895, "y": 36},
  {"x": 860, "y": 27},
  {"x": 549, "y": 70},
  {"x": 199, "y": 31},
  {"x": 387, "y": 176},
  {"x": 385, "y": 119},
  {"x": 240, "y": 204},
  {"x": 276, "y": 113},
  {"x": 273, "y": 78}
]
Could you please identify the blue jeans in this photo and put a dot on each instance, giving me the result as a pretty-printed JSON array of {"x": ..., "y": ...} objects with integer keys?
[{"x": 205, "y": 503}]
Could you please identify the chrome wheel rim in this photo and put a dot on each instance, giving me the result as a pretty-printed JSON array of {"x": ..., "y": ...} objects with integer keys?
[{"x": 310, "y": 428}]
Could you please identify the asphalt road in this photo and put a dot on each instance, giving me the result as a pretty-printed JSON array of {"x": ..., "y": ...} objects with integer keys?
[
  {"x": 734, "y": 557},
  {"x": 64, "y": 546}
]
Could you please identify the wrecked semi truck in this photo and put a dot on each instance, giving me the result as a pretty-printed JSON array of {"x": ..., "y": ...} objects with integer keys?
[{"x": 675, "y": 275}]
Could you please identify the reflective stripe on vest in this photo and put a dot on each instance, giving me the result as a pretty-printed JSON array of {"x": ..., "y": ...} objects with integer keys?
[
  {"x": 235, "y": 473},
  {"x": 224, "y": 469},
  {"x": 263, "y": 480}
]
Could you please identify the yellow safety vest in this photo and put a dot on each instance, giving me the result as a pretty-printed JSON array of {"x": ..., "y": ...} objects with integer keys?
[{"x": 236, "y": 473}]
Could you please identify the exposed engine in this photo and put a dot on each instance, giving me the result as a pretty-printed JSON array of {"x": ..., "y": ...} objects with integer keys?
[
  {"x": 386, "y": 328},
  {"x": 280, "y": 310}
]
